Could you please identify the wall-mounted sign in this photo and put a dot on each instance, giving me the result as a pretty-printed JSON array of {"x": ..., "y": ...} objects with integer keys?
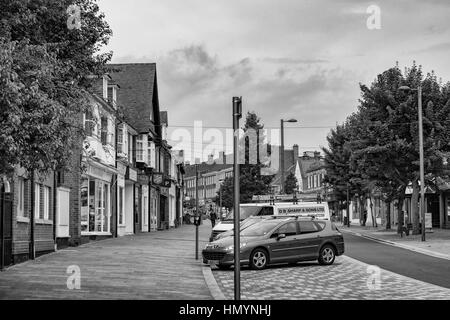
[
  {"x": 143, "y": 179},
  {"x": 131, "y": 175}
]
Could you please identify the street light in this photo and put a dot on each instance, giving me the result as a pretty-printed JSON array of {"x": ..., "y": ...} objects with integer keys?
[
  {"x": 282, "y": 151},
  {"x": 220, "y": 197},
  {"x": 422, "y": 174}
]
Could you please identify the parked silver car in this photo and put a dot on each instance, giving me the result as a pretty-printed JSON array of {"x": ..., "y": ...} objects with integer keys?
[{"x": 276, "y": 240}]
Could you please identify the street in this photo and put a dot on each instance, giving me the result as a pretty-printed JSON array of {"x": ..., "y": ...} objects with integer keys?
[
  {"x": 162, "y": 266},
  {"x": 398, "y": 260},
  {"x": 348, "y": 277}
]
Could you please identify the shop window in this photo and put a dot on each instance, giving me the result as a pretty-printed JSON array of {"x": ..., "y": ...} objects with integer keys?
[
  {"x": 94, "y": 206},
  {"x": 84, "y": 205},
  {"x": 121, "y": 204},
  {"x": 46, "y": 203}
]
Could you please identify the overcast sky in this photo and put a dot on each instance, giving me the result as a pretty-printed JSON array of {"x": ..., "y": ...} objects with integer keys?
[{"x": 297, "y": 58}]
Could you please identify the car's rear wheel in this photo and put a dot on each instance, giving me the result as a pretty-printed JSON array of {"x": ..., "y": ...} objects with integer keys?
[
  {"x": 259, "y": 259},
  {"x": 327, "y": 255}
]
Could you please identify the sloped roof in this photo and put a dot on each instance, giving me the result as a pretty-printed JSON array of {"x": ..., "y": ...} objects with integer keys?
[
  {"x": 138, "y": 94},
  {"x": 205, "y": 168}
]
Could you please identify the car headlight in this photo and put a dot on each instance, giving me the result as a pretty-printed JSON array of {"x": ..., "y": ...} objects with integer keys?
[{"x": 230, "y": 248}]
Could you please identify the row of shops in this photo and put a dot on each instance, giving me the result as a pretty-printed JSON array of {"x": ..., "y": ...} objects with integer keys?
[{"x": 122, "y": 179}]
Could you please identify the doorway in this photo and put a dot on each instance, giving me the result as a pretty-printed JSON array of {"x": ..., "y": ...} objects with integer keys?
[{"x": 5, "y": 228}]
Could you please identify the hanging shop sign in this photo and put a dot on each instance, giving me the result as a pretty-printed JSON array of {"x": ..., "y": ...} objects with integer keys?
[
  {"x": 131, "y": 175},
  {"x": 159, "y": 179},
  {"x": 143, "y": 179}
]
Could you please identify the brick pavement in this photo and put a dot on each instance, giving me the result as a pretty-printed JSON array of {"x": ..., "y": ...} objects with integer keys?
[
  {"x": 157, "y": 265},
  {"x": 346, "y": 279}
]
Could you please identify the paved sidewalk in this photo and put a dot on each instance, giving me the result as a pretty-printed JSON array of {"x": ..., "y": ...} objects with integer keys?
[
  {"x": 159, "y": 265},
  {"x": 346, "y": 279},
  {"x": 437, "y": 243}
]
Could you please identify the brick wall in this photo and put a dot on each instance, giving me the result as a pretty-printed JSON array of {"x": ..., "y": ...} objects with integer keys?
[
  {"x": 21, "y": 226},
  {"x": 72, "y": 180}
]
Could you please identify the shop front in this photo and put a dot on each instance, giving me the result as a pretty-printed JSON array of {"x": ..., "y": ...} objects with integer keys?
[
  {"x": 96, "y": 204},
  {"x": 154, "y": 199},
  {"x": 164, "y": 208},
  {"x": 142, "y": 194}
]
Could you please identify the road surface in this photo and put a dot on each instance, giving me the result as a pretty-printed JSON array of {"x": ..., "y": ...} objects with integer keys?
[{"x": 402, "y": 261}]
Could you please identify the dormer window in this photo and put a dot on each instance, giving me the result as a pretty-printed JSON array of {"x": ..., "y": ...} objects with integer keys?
[{"x": 112, "y": 95}]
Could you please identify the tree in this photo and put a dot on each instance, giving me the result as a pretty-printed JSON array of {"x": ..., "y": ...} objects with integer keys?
[
  {"x": 290, "y": 185},
  {"x": 252, "y": 182},
  {"x": 46, "y": 74},
  {"x": 382, "y": 141}
]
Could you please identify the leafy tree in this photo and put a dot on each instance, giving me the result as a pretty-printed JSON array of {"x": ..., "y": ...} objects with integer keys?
[
  {"x": 382, "y": 138},
  {"x": 290, "y": 185},
  {"x": 252, "y": 182},
  {"x": 46, "y": 74}
]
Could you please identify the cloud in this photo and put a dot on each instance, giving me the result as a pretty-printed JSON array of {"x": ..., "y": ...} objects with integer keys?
[
  {"x": 443, "y": 46},
  {"x": 286, "y": 60}
]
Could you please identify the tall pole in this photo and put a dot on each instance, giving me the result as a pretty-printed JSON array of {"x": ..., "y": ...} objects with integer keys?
[
  {"x": 220, "y": 202},
  {"x": 348, "y": 207},
  {"x": 196, "y": 211},
  {"x": 282, "y": 157},
  {"x": 2, "y": 228},
  {"x": 422, "y": 174},
  {"x": 237, "y": 113}
]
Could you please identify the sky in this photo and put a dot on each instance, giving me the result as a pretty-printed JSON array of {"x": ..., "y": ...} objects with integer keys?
[{"x": 301, "y": 59}]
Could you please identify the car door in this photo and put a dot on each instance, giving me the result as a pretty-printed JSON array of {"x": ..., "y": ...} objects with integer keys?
[
  {"x": 284, "y": 249},
  {"x": 309, "y": 240}
]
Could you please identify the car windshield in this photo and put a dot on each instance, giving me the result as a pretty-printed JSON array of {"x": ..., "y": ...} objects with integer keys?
[
  {"x": 245, "y": 212},
  {"x": 260, "y": 229}
]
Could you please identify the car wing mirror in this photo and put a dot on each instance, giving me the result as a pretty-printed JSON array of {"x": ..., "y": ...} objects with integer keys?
[{"x": 281, "y": 236}]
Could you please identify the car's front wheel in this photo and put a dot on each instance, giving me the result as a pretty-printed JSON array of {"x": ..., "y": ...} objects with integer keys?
[
  {"x": 327, "y": 255},
  {"x": 259, "y": 259}
]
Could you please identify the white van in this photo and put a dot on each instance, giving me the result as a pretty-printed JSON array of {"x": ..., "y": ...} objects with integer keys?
[{"x": 319, "y": 211}]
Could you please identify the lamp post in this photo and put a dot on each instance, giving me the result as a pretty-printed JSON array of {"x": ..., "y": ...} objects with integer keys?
[
  {"x": 282, "y": 152},
  {"x": 220, "y": 198},
  {"x": 422, "y": 170},
  {"x": 237, "y": 114}
]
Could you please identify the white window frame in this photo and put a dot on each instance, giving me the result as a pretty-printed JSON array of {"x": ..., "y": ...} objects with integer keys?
[
  {"x": 121, "y": 207},
  {"x": 21, "y": 197},
  {"x": 37, "y": 201},
  {"x": 46, "y": 200},
  {"x": 120, "y": 139},
  {"x": 140, "y": 151}
]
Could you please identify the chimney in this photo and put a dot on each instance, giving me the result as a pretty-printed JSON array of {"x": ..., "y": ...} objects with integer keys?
[
  {"x": 222, "y": 157},
  {"x": 296, "y": 154}
]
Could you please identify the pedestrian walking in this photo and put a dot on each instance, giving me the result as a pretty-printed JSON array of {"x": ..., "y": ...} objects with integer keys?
[
  {"x": 212, "y": 216},
  {"x": 365, "y": 218}
]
